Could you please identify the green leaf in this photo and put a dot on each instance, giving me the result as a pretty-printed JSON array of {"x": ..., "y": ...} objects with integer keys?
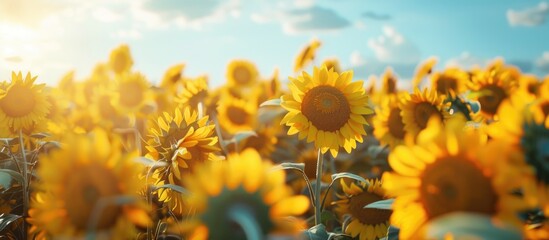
[
  {"x": 239, "y": 136},
  {"x": 349, "y": 175},
  {"x": 470, "y": 226},
  {"x": 267, "y": 115},
  {"x": 287, "y": 166},
  {"x": 174, "y": 187},
  {"x": 326, "y": 216},
  {"x": 6, "y": 175},
  {"x": 39, "y": 135},
  {"x": 272, "y": 102},
  {"x": 7, "y": 219},
  {"x": 317, "y": 232},
  {"x": 386, "y": 204}
]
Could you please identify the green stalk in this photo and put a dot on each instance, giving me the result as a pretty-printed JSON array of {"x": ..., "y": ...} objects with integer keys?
[
  {"x": 318, "y": 183},
  {"x": 244, "y": 217},
  {"x": 25, "y": 177}
]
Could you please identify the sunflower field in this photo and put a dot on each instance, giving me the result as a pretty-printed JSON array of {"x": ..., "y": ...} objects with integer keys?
[{"x": 463, "y": 154}]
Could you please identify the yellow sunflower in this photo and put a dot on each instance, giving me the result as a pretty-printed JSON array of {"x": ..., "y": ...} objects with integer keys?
[
  {"x": 327, "y": 108},
  {"x": 366, "y": 223},
  {"x": 86, "y": 180},
  {"x": 388, "y": 83},
  {"x": 423, "y": 70},
  {"x": 332, "y": 63},
  {"x": 228, "y": 195},
  {"x": 306, "y": 55},
  {"x": 450, "y": 80},
  {"x": 172, "y": 77},
  {"x": 526, "y": 128},
  {"x": 540, "y": 196},
  {"x": 242, "y": 73},
  {"x": 388, "y": 124},
  {"x": 419, "y": 107},
  {"x": 529, "y": 85},
  {"x": 451, "y": 169},
  {"x": 264, "y": 141},
  {"x": 236, "y": 115},
  {"x": 194, "y": 92},
  {"x": 131, "y": 93},
  {"x": 22, "y": 103},
  {"x": 182, "y": 140},
  {"x": 490, "y": 89},
  {"x": 120, "y": 59}
]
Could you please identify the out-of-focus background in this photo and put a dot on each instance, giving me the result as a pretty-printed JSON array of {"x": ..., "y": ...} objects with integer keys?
[{"x": 51, "y": 37}]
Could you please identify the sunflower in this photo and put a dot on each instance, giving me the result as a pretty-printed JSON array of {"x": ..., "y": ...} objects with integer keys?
[
  {"x": 242, "y": 73},
  {"x": 490, "y": 89},
  {"x": 131, "y": 93},
  {"x": 419, "y": 107},
  {"x": 182, "y": 140},
  {"x": 194, "y": 92},
  {"x": 526, "y": 130},
  {"x": 243, "y": 189},
  {"x": 236, "y": 115},
  {"x": 326, "y": 108},
  {"x": 366, "y": 223},
  {"x": 529, "y": 85},
  {"x": 332, "y": 63},
  {"x": 306, "y": 55},
  {"x": 451, "y": 169},
  {"x": 451, "y": 80},
  {"x": 22, "y": 103},
  {"x": 120, "y": 59},
  {"x": 78, "y": 179},
  {"x": 172, "y": 77},
  {"x": 388, "y": 83},
  {"x": 541, "y": 198},
  {"x": 423, "y": 70},
  {"x": 388, "y": 124},
  {"x": 264, "y": 141}
]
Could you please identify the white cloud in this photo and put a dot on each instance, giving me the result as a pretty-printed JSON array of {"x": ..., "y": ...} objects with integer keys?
[
  {"x": 466, "y": 61},
  {"x": 392, "y": 47},
  {"x": 107, "y": 15},
  {"x": 183, "y": 13},
  {"x": 302, "y": 16},
  {"x": 542, "y": 63},
  {"x": 528, "y": 17},
  {"x": 128, "y": 34}
]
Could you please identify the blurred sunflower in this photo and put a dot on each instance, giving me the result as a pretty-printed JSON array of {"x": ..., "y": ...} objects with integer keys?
[
  {"x": 332, "y": 63},
  {"x": 366, "y": 223},
  {"x": 451, "y": 169},
  {"x": 527, "y": 130},
  {"x": 264, "y": 141},
  {"x": 242, "y": 73},
  {"x": 23, "y": 104},
  {"x": 182, "y": 140},
  {"x": 306, "y": 55},
  {"x": 172, "y": 77},
  {"x": 244, "y": 189},
  {"x": 529, "y": 85},
  {"x": 417, "y": 108},
  {"x": 88, "y": 172},
  {"x": 490, "y": 89},
  {"x": 194, "y": 92},
  {"x": 450, "y": 80},
  {"x": 131, "y": 93},
  {"x": 388, "y": 83},
  {"x": 540, "y": 230},
  {"x": 388, "y": 124},
  {"x": 423, "y": 70},
  {"x": 236, "y": 115},
  {"x": 327, "y": 108},
  {"x": 120, "y": 59}
]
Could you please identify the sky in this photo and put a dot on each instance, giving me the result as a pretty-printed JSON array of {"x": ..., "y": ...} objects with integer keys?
[{"x": 52, "y": 37}]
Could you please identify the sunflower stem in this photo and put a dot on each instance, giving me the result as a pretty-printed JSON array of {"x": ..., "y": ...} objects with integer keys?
[
  {"x": 25, "y": 180},
  {"x": 244, "y": 217},
  {"x": 318, "y": 206}
]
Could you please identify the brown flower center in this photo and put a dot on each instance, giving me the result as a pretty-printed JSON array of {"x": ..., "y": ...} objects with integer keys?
[
  {"x": 446, "y": 83},
  {"x": 533, "y": 88},
  {"x": 452, "y": 184},
  {"x": 242, "y": 75},
  {"x": 85, "y": 187},
  {"x": 423, "y": 112},
  {"x": 490, "y": 102},
  {"x": 237, "y": 115},
  {"x": 326, "y": 107},
  {"x": 395, "y": 125},
  {"x": 369, "y": 216},
  {"x": 18, "y": 102},
  {"x": 131, "y": 94},
  {"x": 545, "y": 108},
  {"x": 391, "y": 85}
]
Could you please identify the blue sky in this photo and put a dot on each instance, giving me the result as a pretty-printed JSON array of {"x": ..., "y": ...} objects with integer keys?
[{"x": 51, "y": 37}]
